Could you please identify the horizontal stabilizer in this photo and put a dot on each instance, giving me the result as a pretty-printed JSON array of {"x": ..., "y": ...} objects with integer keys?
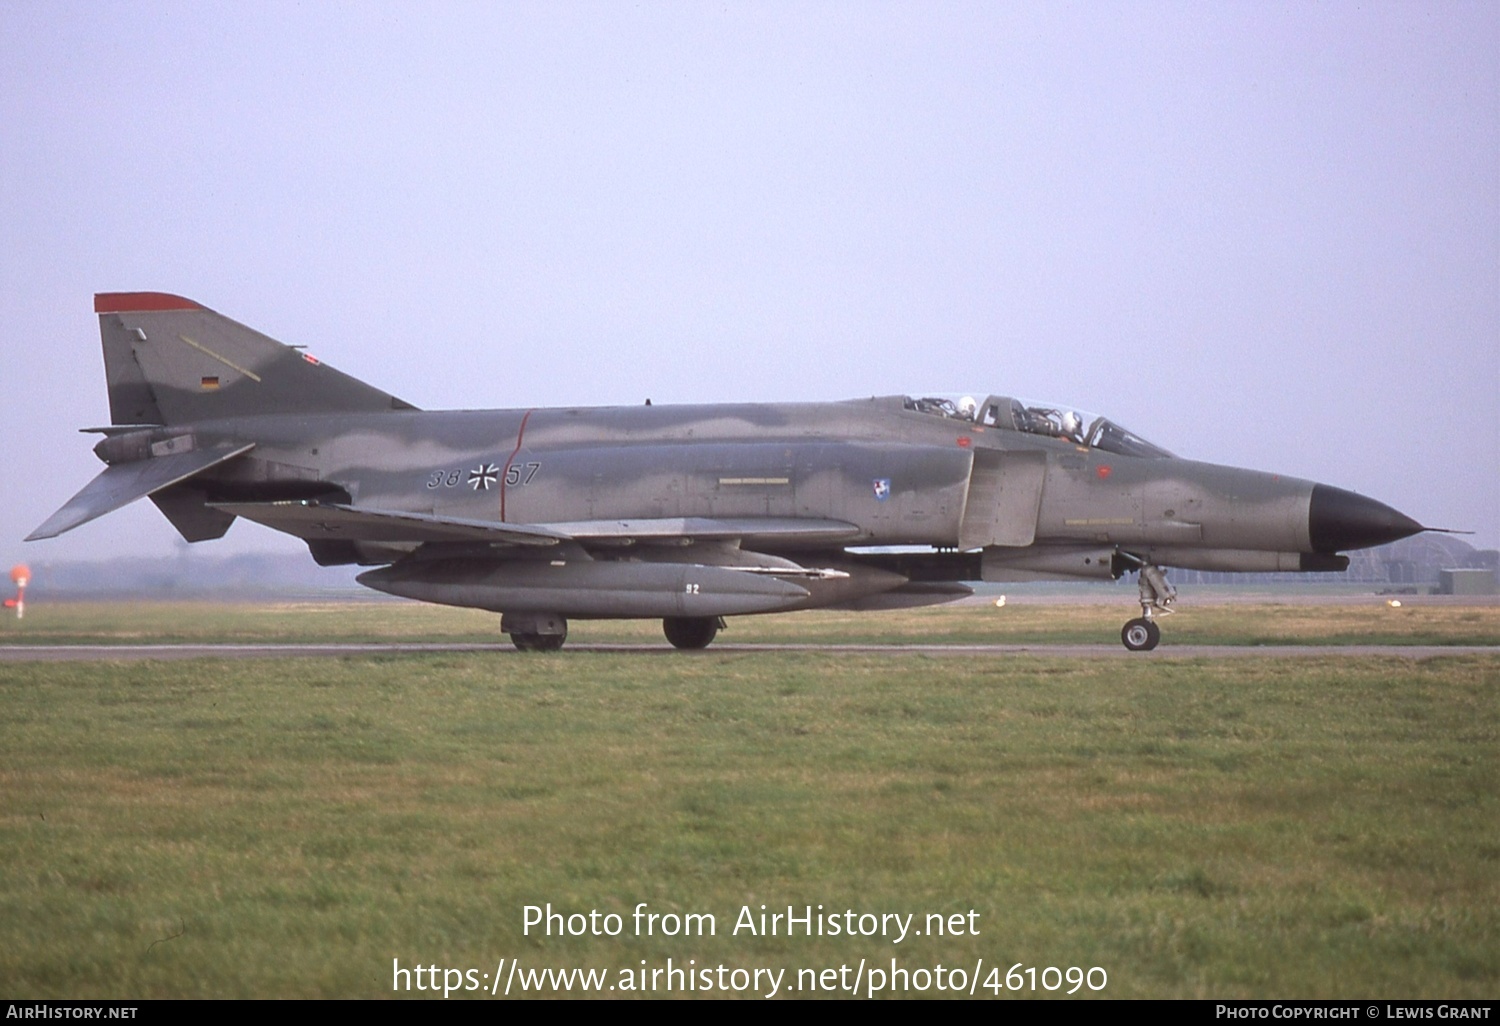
[
  {"x": 322, "y": 521},
  {"x": 123, "y": 483},
  {"x": 117, "y": 429}
]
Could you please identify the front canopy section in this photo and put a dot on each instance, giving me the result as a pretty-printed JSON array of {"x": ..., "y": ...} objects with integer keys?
[{"x": 1051, "y": 420}]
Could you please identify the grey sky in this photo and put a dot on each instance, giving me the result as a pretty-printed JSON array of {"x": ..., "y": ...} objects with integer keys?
[{"x": 1260, "y": 235}]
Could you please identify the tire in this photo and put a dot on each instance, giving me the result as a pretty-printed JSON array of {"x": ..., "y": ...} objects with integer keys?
[
  {"x": 1140, "y": 635},
  {"x": 689, "y": 632},
  {"x": 538, "y": 642}
]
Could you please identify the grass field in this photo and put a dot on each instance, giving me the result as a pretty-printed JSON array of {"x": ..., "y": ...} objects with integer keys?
[{"x": 1257, "y": 827}]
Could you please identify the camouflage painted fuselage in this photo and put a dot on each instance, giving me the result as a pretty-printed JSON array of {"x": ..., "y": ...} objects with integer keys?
[{"x": 672, "y": 511}]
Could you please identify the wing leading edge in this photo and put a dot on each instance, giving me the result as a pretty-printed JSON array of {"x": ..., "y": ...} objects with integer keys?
[{"x": 312, "y": 520}]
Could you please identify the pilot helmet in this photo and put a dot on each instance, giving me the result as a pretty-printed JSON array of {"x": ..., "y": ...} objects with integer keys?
[{"x": 967, "y": 405}]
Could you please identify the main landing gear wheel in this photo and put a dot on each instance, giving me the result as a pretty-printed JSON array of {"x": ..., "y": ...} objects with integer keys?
[
  {"x": 538, "y": 642},
  {"x": 535, "y": 632},
  {"x": 691, "y": 631},
  {"x": 1140, "y": 634}
]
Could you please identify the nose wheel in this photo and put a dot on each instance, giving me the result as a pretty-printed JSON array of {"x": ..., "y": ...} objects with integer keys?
[
  {"x": 1158, "y": 597},
  {"x": 1140, "y": 634}
]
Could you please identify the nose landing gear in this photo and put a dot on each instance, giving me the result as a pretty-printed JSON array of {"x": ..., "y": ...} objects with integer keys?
[
  {"x": 1140, "y": 634},
  {"x": 1157, "y": 598}
]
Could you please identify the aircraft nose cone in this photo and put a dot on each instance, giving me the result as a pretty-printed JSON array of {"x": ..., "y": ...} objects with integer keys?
[{"x": 1339, "y": 520}]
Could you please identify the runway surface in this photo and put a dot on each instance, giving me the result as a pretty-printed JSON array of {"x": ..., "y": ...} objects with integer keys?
[{"x": 100, "y": 653}]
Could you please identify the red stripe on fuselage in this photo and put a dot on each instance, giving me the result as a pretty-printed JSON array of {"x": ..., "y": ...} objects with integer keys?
[{"x": 505, "y": 474}]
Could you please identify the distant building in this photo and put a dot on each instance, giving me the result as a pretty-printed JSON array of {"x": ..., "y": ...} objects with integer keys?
[{"x": 1468, "y": 582}]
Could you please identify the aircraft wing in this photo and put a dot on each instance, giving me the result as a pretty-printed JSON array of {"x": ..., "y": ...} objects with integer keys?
[
  {"x": 798, "y": 531},
  {"x": 312, "y": 520},
  {"x": 123, "y": 483}
]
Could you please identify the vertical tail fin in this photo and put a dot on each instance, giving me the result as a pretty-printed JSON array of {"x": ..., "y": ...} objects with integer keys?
[{"x": 169, "y": 360}]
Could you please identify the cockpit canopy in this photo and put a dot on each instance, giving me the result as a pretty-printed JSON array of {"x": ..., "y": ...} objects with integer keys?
[{"x": 1048, "y": 419}]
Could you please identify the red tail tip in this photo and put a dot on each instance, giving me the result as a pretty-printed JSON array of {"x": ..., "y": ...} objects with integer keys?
[{"x": 138, "y": 302}]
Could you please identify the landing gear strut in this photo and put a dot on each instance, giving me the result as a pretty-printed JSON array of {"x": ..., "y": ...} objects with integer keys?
[
  {"x": 691, "y": 631},
  {"x": 1157, "y": 598}
]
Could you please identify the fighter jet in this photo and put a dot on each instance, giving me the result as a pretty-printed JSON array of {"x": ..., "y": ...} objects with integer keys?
[{"x": 687, "y": 514}]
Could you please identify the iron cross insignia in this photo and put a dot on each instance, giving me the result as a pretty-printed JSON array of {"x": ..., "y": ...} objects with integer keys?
[{"x": 484, "y": 475}]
